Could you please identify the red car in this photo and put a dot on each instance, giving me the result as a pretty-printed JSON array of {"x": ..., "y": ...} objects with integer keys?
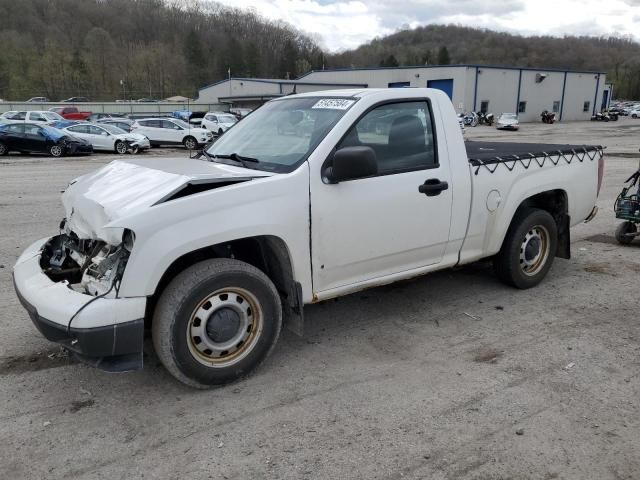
[{"x": 70, "y": 113}]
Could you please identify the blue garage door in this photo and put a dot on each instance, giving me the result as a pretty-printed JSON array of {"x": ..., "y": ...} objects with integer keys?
[{"x": 445, "y": 85}]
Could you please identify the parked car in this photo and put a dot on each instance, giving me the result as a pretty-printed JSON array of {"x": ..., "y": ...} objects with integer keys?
[
  {"x": 634, "y": 113},
  {"x": 33, "y": 116},
  {"x": 34, "y": 138},
  {"x": 147, "y": 100},
  {"x": 122, "y": 123},
  {"x": 508, "y": 121},
  {"x": 219, "y": 122},
  {"x": 108, "y": 138},
  {"x": 172, "y": 131},
  {"x": 213, "y": 253},
  {"x": 188, "y": 116},
  {"x": 61, "y": 124},
  {"x": 38, "y": 100},
  {"x": 70, "y": 113},
  {"x": 76, "y": 100}
]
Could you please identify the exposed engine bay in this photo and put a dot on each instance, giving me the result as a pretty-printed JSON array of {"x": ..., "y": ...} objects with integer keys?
[{"x": 88, "y": 266}]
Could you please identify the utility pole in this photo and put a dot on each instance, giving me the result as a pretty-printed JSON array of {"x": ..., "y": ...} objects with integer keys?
[{"x": 124, "y": 90}]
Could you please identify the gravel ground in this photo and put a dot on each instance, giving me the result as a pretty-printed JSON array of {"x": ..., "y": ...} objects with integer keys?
[{"x": 450, "y": 376}]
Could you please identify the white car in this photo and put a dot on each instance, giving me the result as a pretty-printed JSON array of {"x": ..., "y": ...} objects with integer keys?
[
  {"x": 33, "y": 116},
  {"x": 635, "y": 112},
  {"x": 508, "y": 121},
  {"x": 109, "y": 138},
  {"x": 219, "y": 122},
  {"x": 172, "y": 131},
  {"x": 215, "y": 253}
]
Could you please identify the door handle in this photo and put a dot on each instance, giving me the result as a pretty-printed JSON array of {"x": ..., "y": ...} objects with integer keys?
[{"x": 433, "y": 187}]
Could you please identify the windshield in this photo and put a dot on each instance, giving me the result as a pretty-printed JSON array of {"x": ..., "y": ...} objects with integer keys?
[
  {"x": 227, "y": 119},
  {"x": 52, "y": 116},
  {"x": 282, "y": 133},
  {"x": 52, "y": 133},
  {"x": 112, "y": 129},
  {"x": 182, "y": 123},
  {"x": 509, "y": 116}
]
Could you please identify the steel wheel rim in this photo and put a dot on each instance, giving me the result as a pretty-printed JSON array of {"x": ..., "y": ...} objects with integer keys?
[
  {"x": 534, "y": 250},
  {"x": 190, "y": 144},
  {"x": 56, "y": 151},
  {"x": 121, "y": 148},
  {"x": 220, "y": 309}
]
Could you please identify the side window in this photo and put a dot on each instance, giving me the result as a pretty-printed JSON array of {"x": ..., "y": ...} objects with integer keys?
[
  {"x": 79, "y": 129},
  {"x": 522, "y": 107},
  {"x": 401, "y": 134},
  {"x": 97, "y": 131},
  {"x": 36, "y": 117},
  {"x": 31, "y": 129},
  {"x": 16, "y": 128},
  {"x": 18, "y": 116},
  {"x": 170, "y": 125}
]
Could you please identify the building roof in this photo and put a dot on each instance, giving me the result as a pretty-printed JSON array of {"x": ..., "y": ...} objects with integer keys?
[
  {"x": 280, "y": 81},
  {"x": 464, "y": 65}
]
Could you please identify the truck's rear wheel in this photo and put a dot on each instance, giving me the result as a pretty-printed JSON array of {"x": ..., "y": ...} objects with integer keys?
[
  {"x": 528, "y": 250},
  {"x": 216, "y": 322}
]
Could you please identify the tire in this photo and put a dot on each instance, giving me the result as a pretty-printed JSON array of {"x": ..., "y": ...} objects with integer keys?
[
  {"x": 3, "y": 149},
  {"x": 528, "y": 250},
  {"x": 56, "y": 151},
  {"x": 220, "y": 132},
  {"x": 187, "y": 347},
  {"x": 623, "y": 229},
  {"x": 135, "y": 150},
  {"x": 190, "y": 143},
  {"x": 121, "y": 147},
  {"x": 634, "y": 116}
]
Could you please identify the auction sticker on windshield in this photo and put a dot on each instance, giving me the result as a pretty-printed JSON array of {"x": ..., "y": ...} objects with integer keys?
[{"x": 334, "y": 103}]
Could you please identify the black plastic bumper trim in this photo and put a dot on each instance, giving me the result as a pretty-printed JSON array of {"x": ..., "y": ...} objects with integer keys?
[{"x": 108, "y": 345}]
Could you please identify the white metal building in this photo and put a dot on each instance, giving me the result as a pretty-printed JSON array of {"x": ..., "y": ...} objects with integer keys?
[{"x": 573, "y": 95}]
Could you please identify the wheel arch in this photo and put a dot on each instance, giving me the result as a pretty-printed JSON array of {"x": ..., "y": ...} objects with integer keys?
[
  {"x": 556, "y": 202},
  {"x": 268, "y": 253}
]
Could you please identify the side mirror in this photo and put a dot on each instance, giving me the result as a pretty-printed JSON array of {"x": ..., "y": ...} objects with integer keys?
[{"x": 350, "y": 163}]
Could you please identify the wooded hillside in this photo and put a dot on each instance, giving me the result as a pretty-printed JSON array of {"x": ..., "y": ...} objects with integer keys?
[
  {"x": 160, "y": 48},
  {"x": 63, "y": 48},
  {"x": 440, "y": 44}
]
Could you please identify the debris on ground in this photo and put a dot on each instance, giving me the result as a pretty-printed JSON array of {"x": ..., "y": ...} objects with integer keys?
[
  {"x": 520, "y": 431},
  {"x": 569, "y": 366},
  {"x": 78, "y": 405},
  {"x": 46, "y": 424},
  {"x": 472, "y": 316}
]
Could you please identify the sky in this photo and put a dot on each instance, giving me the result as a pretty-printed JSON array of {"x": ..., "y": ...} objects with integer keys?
[{"x": 345, "y": 24}]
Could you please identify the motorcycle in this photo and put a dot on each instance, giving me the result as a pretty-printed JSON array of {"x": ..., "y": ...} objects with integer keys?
[
  {"x": 470, "y": 119},
  {"x": 485, "y": 118},
  {"x": 548, "y": 117}
]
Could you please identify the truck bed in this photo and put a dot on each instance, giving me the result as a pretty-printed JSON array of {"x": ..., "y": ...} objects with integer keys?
[{"x": 484, "y": 153}]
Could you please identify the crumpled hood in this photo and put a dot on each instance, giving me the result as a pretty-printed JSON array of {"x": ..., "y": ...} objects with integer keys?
[{"x": 123, "y": 188}]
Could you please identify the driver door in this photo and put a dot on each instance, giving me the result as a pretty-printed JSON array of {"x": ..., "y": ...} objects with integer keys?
[{"x": 369, "y": 228}]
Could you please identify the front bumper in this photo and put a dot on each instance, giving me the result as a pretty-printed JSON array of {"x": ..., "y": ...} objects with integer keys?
[
  {"x": 107, "y": 333},
  {"x": 78, "y": 148}
]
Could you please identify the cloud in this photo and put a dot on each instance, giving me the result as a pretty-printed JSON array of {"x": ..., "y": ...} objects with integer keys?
[{"x": 345, "y": 24}]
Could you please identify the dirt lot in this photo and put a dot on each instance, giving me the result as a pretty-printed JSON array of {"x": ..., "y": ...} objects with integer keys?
[{"x": 451, "y": 376}]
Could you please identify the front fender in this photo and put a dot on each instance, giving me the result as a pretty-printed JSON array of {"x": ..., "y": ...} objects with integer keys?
[{"x": 275, "y": 206}]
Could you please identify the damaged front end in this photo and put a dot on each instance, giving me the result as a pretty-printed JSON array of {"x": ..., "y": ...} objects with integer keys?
[
  {"x": 88, "y": 266},
  {"x": 70, "y": 288}
]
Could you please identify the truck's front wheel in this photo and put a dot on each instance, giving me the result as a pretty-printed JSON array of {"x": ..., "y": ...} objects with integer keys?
[
  {"x": 216, "y": 322},
  {"x": 528, "y": 250}
]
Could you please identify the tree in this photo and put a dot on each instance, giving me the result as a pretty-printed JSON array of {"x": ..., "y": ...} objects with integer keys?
[{"x": 443, "y": 56}]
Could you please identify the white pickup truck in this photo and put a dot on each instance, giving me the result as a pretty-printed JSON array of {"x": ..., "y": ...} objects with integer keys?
[{"x": 213, "y": 254}]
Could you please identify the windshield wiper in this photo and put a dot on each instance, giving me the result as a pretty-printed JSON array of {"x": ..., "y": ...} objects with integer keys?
[{"x": 238, "y": 158}]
